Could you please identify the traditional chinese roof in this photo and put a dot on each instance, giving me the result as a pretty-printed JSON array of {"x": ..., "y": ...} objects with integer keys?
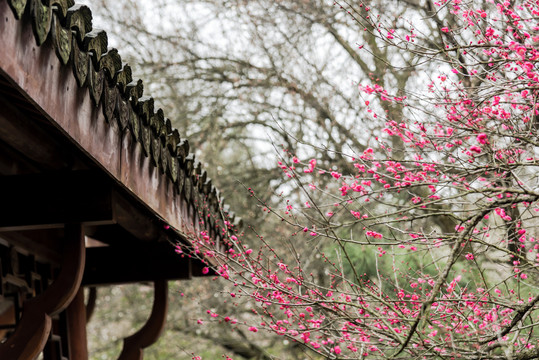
[
  {"x": 58, "y": 71},
  {"x": 85, "y": 155}
]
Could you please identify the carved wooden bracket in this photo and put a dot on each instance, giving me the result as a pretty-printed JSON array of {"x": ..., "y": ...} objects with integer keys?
[
  {"x": 149, "y": 333},
  {"x": 31, "y": 333}
]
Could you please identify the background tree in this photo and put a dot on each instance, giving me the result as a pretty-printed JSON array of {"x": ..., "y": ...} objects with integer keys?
[
  {"x": 242, "y": 76},
  {"x": 237, "y": 77},
  {"x": 467, "y": 151}
]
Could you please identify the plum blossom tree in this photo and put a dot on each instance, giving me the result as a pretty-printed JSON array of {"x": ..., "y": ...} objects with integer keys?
[{"x": 444, "y": 205}]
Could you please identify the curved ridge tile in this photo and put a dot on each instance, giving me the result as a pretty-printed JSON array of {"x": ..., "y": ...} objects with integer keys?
[
  {"x": 95, "y": 42},
  {"x": 41, "y": 20},
  {"x": 62, "y": 39},
  {"x": 17, "y": 6},
  {"x": 79, "y": 18},
  {"x": 111, "y": 62},
  {"x": 60, "y": 8}
]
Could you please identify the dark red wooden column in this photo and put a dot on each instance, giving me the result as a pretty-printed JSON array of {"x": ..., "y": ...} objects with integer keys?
[{"x": 76, "y": 325}]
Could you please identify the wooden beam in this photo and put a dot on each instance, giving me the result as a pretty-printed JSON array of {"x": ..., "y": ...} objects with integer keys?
[
  {"x": 40, "y": 201},
  {"x": 134, "y": 263},
  {"x": 113, "y": 234},
  {"x": 11, "y": 161},
  {"x": 24, "y": 134},
  {"x": 109, "y": 214},
  {"x": 45, "y": 245}
]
